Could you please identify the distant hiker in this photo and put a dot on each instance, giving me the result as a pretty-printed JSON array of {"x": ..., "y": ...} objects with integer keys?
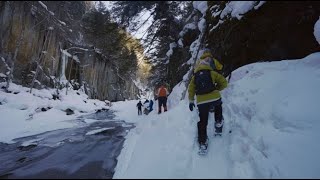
[
  {"x": 162, "y": 95},
  {"x": 139, "y": 105},
  {"x": 206, "y": 84},
  {"x": 146, "y": 107},
  {"x": 146, "y": 101},
  {"x": 150, "y": 105}
]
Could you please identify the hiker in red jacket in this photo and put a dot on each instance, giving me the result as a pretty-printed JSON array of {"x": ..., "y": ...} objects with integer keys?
[{"x": 162, "y": 95}]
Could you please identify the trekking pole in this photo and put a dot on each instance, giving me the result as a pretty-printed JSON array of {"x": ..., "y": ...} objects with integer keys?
[{"x": 201, "y": 44}]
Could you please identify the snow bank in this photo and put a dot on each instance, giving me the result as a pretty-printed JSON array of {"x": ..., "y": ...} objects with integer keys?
[
  {"x": 316, "y": 31},
  {"x": 271, "y": 110},
  {"x": 25, "y": 114},
  {"x": 238, "y": 8},
  {"x": 201, "y": 6}
]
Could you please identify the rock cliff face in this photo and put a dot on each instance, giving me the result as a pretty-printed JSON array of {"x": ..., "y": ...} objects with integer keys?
[
  {"x": 276, "y": 30},
  {"x": 45, "y": 39}
]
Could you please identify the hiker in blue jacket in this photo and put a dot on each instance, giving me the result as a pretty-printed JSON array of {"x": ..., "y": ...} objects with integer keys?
[{"x": 150, "y": 105}]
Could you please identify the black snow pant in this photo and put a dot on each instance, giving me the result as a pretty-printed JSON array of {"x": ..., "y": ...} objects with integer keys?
[
  {"x": 204, "y": 115},
  {"x": 162, "y": 101},
  {"x": 139, "y": 111}
]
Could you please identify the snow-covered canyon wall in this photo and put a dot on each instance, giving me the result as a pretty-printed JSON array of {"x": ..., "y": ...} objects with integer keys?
[{"x": 42, "y": 43}]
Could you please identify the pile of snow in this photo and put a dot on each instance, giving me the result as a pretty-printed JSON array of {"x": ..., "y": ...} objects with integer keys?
[
  {"x": 201, "y": 25},
  {"x": 170, "y": 51},
  {"x": 201, "y": 6},
  {"x": 238, "y": 8},
  {"x": 25, "y": 114},
  {"x": 274, "y": 106},
  {"x": 271, "y": 110},
  {"x": 186, "y": 28}
]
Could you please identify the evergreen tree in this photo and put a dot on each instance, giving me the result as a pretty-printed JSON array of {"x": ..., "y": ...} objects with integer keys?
[
  {"x": 107, "y": 36},
  {"x": 168, "y": 17}
]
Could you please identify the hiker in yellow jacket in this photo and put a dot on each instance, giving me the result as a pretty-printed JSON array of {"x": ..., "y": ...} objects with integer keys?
[{"x": 206, "y": 84}]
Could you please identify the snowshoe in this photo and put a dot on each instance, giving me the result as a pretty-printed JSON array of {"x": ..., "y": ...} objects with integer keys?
[{"x": 218, "y": 129}]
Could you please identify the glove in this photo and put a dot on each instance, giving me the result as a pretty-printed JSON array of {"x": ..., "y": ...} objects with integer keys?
[{"x": 191, "y": 105}]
